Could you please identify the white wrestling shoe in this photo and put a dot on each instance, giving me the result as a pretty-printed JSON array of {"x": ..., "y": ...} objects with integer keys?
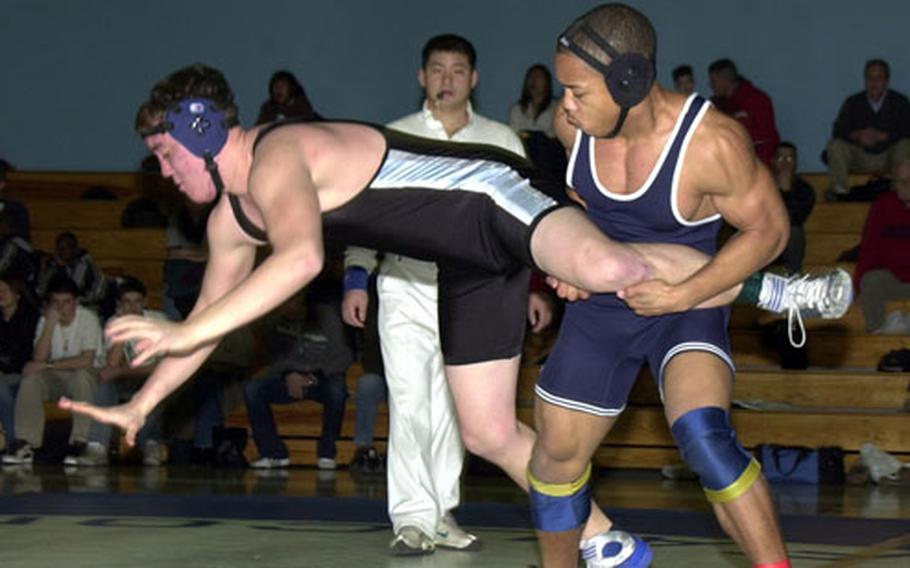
[
  {"x": 826, "y": 296},
  {"x": 616, "y": 549}
]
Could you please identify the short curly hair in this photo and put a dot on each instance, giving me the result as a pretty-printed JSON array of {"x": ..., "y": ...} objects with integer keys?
[{"x": 196, "y": 80}]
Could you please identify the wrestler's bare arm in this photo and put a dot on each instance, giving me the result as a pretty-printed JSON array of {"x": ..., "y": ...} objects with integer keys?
[
  {"x": 230, "y": 261},
  {"x": 723, "y": 168}
]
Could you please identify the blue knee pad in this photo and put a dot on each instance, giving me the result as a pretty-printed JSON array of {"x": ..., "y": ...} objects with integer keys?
[
  {"x": 560, "y": 507},
  {"x": 708, "y": 443}
]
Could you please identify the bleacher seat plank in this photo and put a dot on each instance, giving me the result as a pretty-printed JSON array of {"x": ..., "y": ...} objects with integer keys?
[
  {"x": 29, "y": 185},
  {"x": 827, "y": 248},
  {"x": 62, "y": 215},
  {"x": 836, "y": 218},
  {"x": 109, "y": 244},
  {"x": 834, "y": 349}
]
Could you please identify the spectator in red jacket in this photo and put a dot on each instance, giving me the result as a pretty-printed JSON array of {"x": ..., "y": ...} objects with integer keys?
[
  {"x": 883, "y": 270},
  {"x": 738, "y": 97}
]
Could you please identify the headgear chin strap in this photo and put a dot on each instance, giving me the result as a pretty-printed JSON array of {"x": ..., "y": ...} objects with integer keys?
[
  {"x": 629, "y": 76},
  {"x": 202, "y": 128}
]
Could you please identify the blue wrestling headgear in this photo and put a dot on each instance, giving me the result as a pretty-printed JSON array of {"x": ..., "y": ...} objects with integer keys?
[
  {"x": 199, "y": 126},
  {"x": 202, "y": 128},
  {"x": 629, "y": 76}
]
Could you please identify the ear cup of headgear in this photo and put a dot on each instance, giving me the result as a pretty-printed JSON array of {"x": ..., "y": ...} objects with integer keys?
[
  {"x": 199, "y": 126},
  {"x": 629, "y": 79}
]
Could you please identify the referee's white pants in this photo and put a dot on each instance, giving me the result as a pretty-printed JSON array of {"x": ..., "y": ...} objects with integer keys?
[{"x": 425, "y": 454}]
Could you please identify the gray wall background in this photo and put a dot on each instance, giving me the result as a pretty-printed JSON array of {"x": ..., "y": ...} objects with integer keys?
[{"x": 75, "y": 71}]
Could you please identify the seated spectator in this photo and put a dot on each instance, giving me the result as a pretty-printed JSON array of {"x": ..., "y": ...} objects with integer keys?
[
  {"x": 72, "y": 262},
  {"x": 18, "y": 319},
  {"x": 871, "y": 132},
  {"x": 684, "y": 80},
  {"x": 799, "y": 197},
  {"x": 66, "y": 357},
  {"x": 287, "y": 99},
  {"x": 311, "y": 357},
  {"x": 738, "y": 97},
  {"x": 883, "y": 270},
  {"x": 371, "y": 392},
  {"x": 186, "y": 257},
  {"x": 535, "y": 109},
  {"x": 118, "y": 381},
  {"x": 17, "y": 257},
  {"x": 14, "y": 209}
]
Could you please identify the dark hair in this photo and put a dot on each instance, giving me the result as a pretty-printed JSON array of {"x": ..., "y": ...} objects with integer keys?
[
  {"x": 452, "y": 43},
  {"x": 66, "y": 236},
  {"x": 295, "y": 87},
  {"x": 682, "y": 71},
  {"x": 194, "y": 81},
  {"x": 725, "y": 68},
  {"x": 5, "y": 168},
  {"x": 525, "y": 99},
  {"x": 129, "y": 284},
  {"x": 62, "y": 285},
  {"x": 881, "y": 63},
  {"x": 19, "y": 285},
  {"x": 786, "y": 144},
  {"x": 626, "y": 29}
]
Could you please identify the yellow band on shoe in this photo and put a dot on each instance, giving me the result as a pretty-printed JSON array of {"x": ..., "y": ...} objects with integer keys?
[
  {"x": 559, "y": 489},
  {"x": 741, "y": 485}
]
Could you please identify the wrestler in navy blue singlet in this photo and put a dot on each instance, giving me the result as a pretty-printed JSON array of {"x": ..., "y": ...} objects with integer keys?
[
  {"x": 602, "y": 343},
  {"x": 471, "y": 208}
]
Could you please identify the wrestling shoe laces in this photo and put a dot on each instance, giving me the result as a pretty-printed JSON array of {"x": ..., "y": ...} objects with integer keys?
[{"x": 826, "y": 295}]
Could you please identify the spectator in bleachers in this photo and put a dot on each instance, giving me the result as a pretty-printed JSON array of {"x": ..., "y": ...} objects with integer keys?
[
  {"x": 186, "y": 257},
  {"x": 18, "y": 319},
  {"x": 752, "y": 107},
  {"x": 371, "y": 393},
  {"x": 14, "y": 209},
  {"x": 287, "y": 99},
  {"x": 684, "y": 79},
  {"x": 799, "y": 197},
  {"x": 883, "y": 270},
  {"x": 67, "y": 354},
  {"x": 311, "y": 353},
  {"x": 534, "y": 110},
  {"x": 871, "y": 132},
  {"x": 118, "y": 381},
  {"x": 16, "y": 254},
  {"x": 76, "y": 264}
]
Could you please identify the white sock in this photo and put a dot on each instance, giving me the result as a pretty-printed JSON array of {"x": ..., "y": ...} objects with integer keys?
[{"x": 773, "y": 295}]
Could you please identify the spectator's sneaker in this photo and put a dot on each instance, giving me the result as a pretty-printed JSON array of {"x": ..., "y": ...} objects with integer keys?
[
  {"x": 151, "y": 453},
  {"x": 20, "y": 453},
  {"x": 450, "y": 535},
  {"x": 616, "y": 549},
  {"x": 411, "y": 541},
  {"x": 894, "y": 324},
  {"x": 90, "y": 454},
  {"x": 826, "y": 296},
  {"x": 270, "y": 463},
  {"x": 366, "y": 460},
  {"x": 326, "y": 463}
]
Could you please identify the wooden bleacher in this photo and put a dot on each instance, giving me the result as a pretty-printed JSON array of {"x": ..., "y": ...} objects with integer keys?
[{"x": 840, "y": 401}]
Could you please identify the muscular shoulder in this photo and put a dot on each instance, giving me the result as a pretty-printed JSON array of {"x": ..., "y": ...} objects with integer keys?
[{"x": 720, "y": 150}]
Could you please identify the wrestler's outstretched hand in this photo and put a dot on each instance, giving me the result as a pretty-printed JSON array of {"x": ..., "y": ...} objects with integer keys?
[
  {"x": 126, "y": 417},
  {"x": 566, "y": 291},
  {"x": 151, "y": 337},
  {"x": 654, "y": 298}
]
